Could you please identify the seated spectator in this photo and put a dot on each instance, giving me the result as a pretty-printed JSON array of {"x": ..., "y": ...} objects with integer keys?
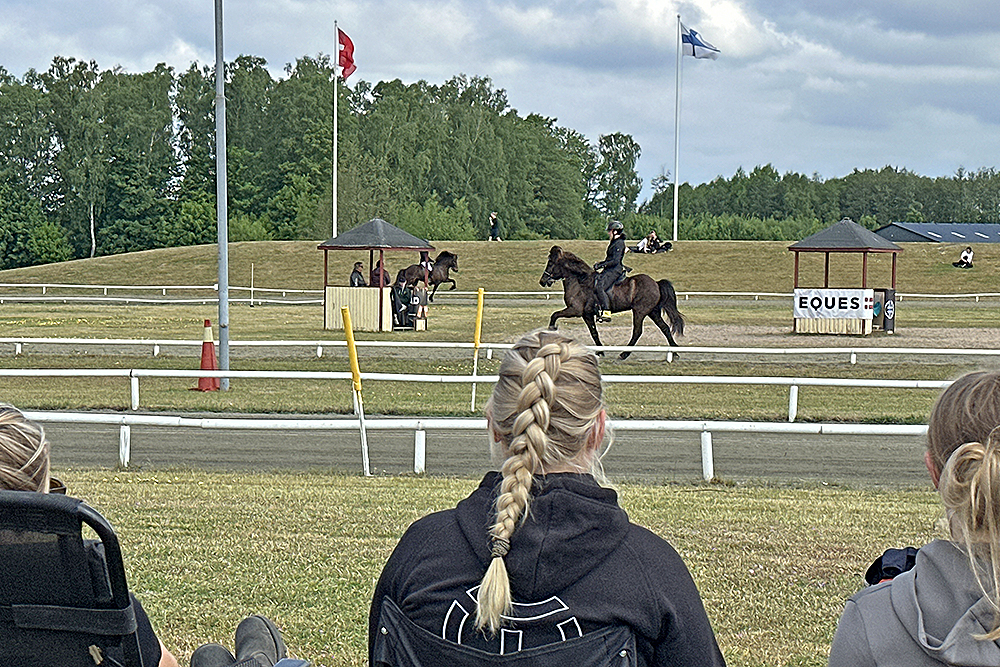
[
  {"x": 24, "y": 466},
  {"x": 358, "y": 278},
  {"x": 373, "y": 277},
  {"x": 965, "y": 259},
  {"x": 943, "y": 611},
  {"x": 401, "y": 295},
  {"x": 544, "y": 531},
  {"x": 650, "y": 244}
]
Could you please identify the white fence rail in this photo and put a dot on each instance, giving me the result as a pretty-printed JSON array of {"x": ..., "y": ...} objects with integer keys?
[
  {"x": 321, "y": 346},
  {"x": 792, "y": 383},
  {"x": 420, "y": 425},
  {"x": 270, "y": 295}
]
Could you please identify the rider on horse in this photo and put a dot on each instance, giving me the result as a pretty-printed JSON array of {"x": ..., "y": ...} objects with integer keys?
[{"x": 611, "y": 269}]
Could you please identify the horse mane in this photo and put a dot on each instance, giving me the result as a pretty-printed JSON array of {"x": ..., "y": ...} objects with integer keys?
[
  {"x": 442, "y": 254},
  {"x": 575, "y": 265}
]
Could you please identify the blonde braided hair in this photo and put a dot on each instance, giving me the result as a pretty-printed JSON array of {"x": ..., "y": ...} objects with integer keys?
[{"x": 542, "y": 411}]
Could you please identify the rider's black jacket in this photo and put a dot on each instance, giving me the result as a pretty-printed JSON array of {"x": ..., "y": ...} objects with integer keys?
[{"x": 612, "y": 264}]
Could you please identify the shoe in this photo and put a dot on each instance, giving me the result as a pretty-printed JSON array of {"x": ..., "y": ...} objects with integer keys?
[
  {"x": 499, "y": 239},
  {"x": 258, "y": 642},
  {"x": 212, "y": 655}
]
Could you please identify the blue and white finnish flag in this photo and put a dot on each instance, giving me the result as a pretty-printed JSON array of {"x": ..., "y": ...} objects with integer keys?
[{"x": 694, "y": 45}]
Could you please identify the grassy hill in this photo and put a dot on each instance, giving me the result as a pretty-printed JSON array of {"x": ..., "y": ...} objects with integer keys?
[{"x": 714, "y": 266}]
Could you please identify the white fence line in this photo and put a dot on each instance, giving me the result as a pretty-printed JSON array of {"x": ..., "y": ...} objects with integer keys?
[
  {"x": 44, "y": 288},
  {"x": 419, "y": 425},
  {"x": 320, "y": 345},
  {"x": 793, "y": 383}
]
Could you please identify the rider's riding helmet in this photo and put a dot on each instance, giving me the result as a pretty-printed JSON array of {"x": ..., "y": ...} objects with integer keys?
[{"x": 615, "y": 225}]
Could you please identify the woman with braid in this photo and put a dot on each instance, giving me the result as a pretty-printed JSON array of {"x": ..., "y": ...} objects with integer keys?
[
  {"x": 946, "y": 609},
  {"x": 540, "y": 553}
]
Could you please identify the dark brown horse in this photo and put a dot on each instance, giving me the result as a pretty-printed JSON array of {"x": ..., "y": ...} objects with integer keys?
[
  {"x": 641, "y": 294},
  {"x": 443, "y": 263}
]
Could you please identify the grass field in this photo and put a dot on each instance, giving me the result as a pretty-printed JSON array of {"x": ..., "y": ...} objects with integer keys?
[
  {"x": 774, "y": 563},
  {"x": 712, "y": 266}
]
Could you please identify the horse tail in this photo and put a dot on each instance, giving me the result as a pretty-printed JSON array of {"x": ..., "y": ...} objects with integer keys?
[{"x": 668, "y": 303}]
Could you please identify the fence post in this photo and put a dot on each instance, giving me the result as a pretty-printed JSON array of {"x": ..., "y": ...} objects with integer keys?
[
  {"x": 707, "y": 460},
  {"x": 793, "y": 402},
  {"x": 124, "y": 445},
  {"x": 419, "y": 449},
  {"x": 17, "y": 349},
  {"x": 319, "y": 351},
  {"x": 134, "y": 383},
  {"x": 156, "y": 350}
]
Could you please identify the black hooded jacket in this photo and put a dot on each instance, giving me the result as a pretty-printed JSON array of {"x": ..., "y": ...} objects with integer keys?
[{"x": 576, "y": 565}]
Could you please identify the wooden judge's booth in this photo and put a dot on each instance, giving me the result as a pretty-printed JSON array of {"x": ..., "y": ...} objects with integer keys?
[
  {"x": 847, "y": 309},
  {"x": 370, "y": 307}
]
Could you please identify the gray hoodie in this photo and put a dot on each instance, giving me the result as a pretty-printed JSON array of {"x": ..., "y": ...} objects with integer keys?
[{"x": 925, "y": 616}]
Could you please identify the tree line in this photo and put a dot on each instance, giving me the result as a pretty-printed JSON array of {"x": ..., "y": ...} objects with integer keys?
[{"x": 96, "y": 162}]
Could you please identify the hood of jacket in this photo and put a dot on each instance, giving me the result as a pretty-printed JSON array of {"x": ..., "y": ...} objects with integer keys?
[
  {"x": 941, "y": 605},
  {"x": 573, "y": 525}
]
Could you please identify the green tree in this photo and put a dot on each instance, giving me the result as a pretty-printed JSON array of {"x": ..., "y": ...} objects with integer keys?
[
  {"x": 618, "y": 183},
  {"x": 80, "y": 126}
]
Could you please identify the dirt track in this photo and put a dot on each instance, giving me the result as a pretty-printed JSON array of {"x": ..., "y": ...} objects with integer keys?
[{"x": 647, "y": 457}]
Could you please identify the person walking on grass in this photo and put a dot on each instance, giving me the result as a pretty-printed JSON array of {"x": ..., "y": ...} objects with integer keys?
[{"x": 494, "y": 227}]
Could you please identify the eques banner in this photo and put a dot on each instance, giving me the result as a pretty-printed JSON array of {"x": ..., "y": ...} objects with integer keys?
[{"x": 820, "y": 303}]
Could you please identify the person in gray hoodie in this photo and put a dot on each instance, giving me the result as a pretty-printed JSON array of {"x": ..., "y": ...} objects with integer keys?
[
  {"x": 946, "y": 609},
  {"x": 540, "y": 554}
]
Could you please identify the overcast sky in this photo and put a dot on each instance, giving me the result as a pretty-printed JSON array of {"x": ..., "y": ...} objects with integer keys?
[{"x": 811, "y": 86}]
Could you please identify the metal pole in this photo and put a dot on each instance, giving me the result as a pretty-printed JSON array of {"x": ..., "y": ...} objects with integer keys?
[
  {"x": 221, "y": 196},
  {"x": 336, "y": 94},
  {"x": 677, "y": 122}
]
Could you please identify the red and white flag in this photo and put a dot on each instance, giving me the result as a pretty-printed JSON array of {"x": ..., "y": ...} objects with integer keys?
[{"x": 346, "y": 60}]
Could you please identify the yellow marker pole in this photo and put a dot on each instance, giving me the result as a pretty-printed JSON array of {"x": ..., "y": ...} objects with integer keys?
[
  {"x": 475, "y": 342},
  {"x": 359, "y": 406}
]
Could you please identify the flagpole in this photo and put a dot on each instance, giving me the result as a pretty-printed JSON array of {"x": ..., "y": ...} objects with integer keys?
[
  {"x": 336, "y": 94},
  {"x": 677, "y": 122}
]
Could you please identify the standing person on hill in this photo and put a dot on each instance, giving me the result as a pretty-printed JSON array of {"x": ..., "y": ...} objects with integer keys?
[
  {"x": 541, "y": 555},
  {"x": 610, "y": 269},
  {"x": 494, "y": 227},
  {"x": 946, "y": 609}
]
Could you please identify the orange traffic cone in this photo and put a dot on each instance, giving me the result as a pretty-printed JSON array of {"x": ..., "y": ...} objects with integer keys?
[{"x": 208, "y": 362}]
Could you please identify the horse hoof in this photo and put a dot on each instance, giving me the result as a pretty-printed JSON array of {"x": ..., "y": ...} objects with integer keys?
[
  {"x": 600, "y": 353},
  {"x": 624, "y": 355}
]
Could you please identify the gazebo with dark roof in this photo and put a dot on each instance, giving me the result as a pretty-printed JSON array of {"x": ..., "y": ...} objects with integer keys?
[
  {"x": 845, "y": 236},
  {"x": 376, "y": 234}
]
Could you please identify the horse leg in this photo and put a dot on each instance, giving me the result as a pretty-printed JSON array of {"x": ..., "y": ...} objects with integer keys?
[
  {"x": 592, "y": 325},
  {"x": 636, "y": 332},
  {"x": 569, "y": 311},
  {"x": 662, "y": 325},
  {"x": 431, "y": 297},
  {"x": 454, "y": 285}
]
